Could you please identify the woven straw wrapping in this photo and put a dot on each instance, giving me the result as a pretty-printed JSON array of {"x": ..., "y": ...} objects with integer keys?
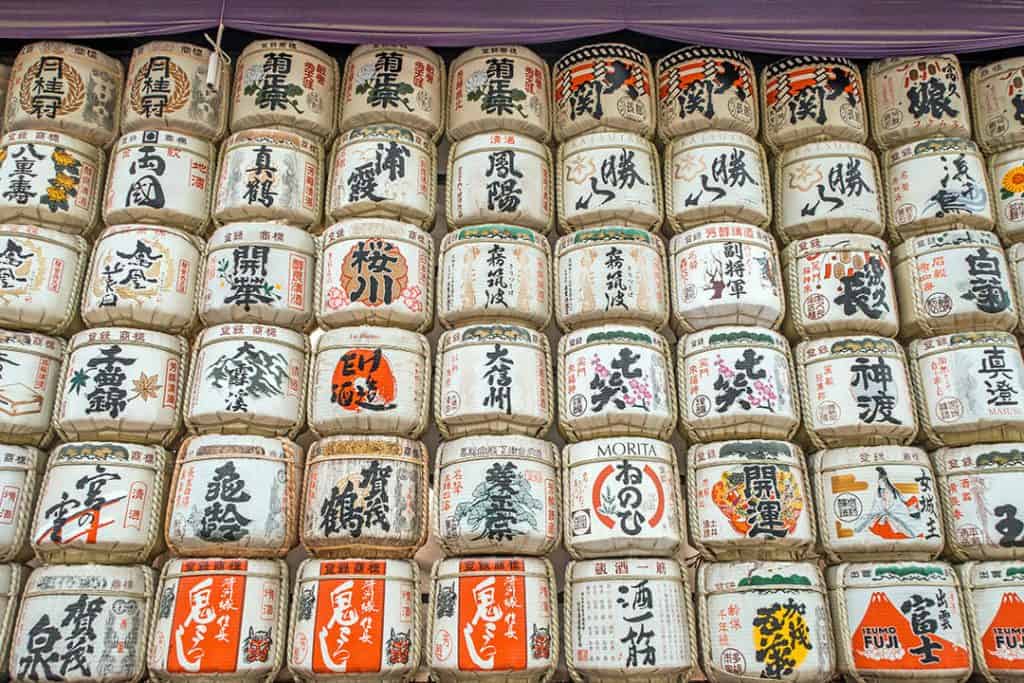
[
  {"x": 38, "y": 308},
  {"x": 24, "y": 478}
]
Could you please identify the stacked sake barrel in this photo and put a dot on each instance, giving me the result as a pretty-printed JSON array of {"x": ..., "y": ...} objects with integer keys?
[{"x": 496, "y": 505}]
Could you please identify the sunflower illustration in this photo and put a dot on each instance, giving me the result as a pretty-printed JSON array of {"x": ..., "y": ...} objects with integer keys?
[
  {"x": 1013, "y": 182},
  {"x": 57, "y": 195},
  {"x": 63, "y": 158},
  {"x": 64, "y": 181}
]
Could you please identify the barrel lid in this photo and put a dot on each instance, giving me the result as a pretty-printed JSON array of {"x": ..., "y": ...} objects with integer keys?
[
  {"x": 836, "y": 347},
  {"x": 842, "y": 148},
  {"x": 497, "y": 447},
  {"x": 169, "y": 46},
  {"x": 612, "y": 334},
  {"x": 707, "y": 138},
  {"x": 370, "y": 446},
  {"x": 1014, "y": 154},
  {"x": 352, "y": 228},
  {"x": 76, "y": 243},
  {"x": 177, "y": 567},
  {"x": 864, "y": 574},
  {"x": 857, "y": 456},
  {"x": 482, "y": 566},
  {"x": 995, "y": 68},
  {"x": 20, "y": 457},
  {"x": 617, "y": 448},
  {"x": 601, "y": 50},
  {"x": 76, "y": 50},
  {"x": 46, "y": 137},
  {"x": 979, "y": 458},
  {"x": 994, "y": 574},
  {"x": 30, "y": 342},
  {"x": 127, "y": 335},
  {"x": 424, "y": 52},
  {"x": 932, "y": 146},
  {"x": 53, "y": 578},
  {"x": 782, "y": 65},
  {"x": 733, "y": 335},
  {"x": 365, "y": 335},
  {"x": 656, "y": 568},
  {"x": 499, "y": 139},
  {"x": 617, "y": 138},
  {"x": 108, "y": 451},
  {"x": 239, "y": 446},
  {"x": 948, "y": 239},
  {"x": 732, "y": 577},
  {"x": 245, "y": 232},
  {"x": 154, "y": 136},
  {"x": 689, "y": 52},
  {"x": 510, "y": 50},
  {"x": 398, "y": 570},
  {"x": 887, "y": 63},
  {"x": 846, "y": 241},
  {"x": 385, "y": 131},
  {"x": 194, "y": 241},
  {"x": 276, "y": 44},
  {"x": 745, "y": 450},
  {"x": 496, "y": 232},
  {"x": 268, "y": 333},
  {"x": 958, "y": 340},
  {"x": 608, "y": 233},
  {"x": 273, "y": 136},
  {"x": 488, "y": 334},
  {"x": 719, "y": 232}
]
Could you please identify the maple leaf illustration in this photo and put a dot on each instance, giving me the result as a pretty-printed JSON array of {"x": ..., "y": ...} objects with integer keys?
[{"x": 146, "y": 386}]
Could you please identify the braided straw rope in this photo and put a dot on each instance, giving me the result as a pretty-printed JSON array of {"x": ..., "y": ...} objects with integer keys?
[{"x": 19, "y": 549}]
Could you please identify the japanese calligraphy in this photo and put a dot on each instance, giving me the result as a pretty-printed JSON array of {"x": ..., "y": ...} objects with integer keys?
[
  {"x": 260, "y": 179},
  {"x": 389, "y": 162},
  {"x": 221, "y": 521},
  {"x": 129, "y": 271},
  {"x": 746, "y": 384},
  {"x": 248, "y": 373},
  {"x": 502, "y": 505},
  {"x": 1001, "y": 382},
  {"x": 637, "y": 604},
  {"x": 81, "y": 616},
  {"x": 781, "y": 638},
  {"x": 618, "y": 172},
  {"x": 245, "y": 273},
  {"x": 604, "y": 77},
  {"x": 614, "y": 280},
  {"x": 864, "y": 290},
  {"x": 628, "y": 498},
  {"x": 728, "y": 273},
  {"x": 271, "y": 87},
  {"x": 12, "y": 259},
  {"x": 622, "y": 386},
  {"x": 147, "y": 190},
  {"x": 48, "y": 87},
  {"x": 156, "y": 86},
  {"x": 1009, "y": 528},
  {"x": 361, "y": 504},
  {"x": 374, "y": 273},
  {"x": 19, "y": 188},
  {"x": 844, "y": 180},
  {"x": 363, "y": 380},
  {"x": 932, "y": 97},
  {"x": 503, "y": 191},
  {"x": 82, "y": 518},
  {"x": 492, "y": 88},
  {"x": 381, "y": 85},
  {"x": 496, "y": 284},
  {"x": 727, "y": 170},
  {"x": 986, "y": 282},
  {"x": 872, "y": 380},
  {"x": 107, "y": 373},
  {"x": 497, "y": 374},
  {"x": 924, "y": 625},
  {"x": 958, "y": 191}
]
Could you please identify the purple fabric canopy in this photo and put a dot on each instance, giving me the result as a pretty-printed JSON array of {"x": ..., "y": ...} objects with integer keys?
[{"x": 856, "y": 29}]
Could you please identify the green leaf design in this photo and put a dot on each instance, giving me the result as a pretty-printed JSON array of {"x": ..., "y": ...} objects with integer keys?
[
  {"x": 405, "y": 89},
  {"x": 1004, "y": 193},
  {"x": 78, "y": 380}
]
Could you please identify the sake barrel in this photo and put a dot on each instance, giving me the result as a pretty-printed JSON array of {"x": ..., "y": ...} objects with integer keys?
[
  {"x": 365, "y": 496},
  {"x": 839, "y": 284},
  {"x": 259, "y": 273},
  {"x": 382, "y": 596},
  {"x": 1006, "y": 174},
  {"x": 499, "y": 87},
  {"x": 603, "y": 87},
  {"x": 375, "y": 271},
  {"x": 608, "y": 274},
  {"x": 897, "y": 621},
  {"x": 724, "y": 274},
  {"x": 101, "y": 502},
  {"x": 827, "y": 187},
  {"x": 620, "y": 496},
  {"x": 702, "y": 88},
  {"x": 235, "y": 495},
  {"x": 997, "y": 104},
  {"x": 936, "y": 185},
  {"x": 270, "y": 175},
  {"x": 952, "y": 281},
  {"x": 21, "y": 468},
  {"x": 65, "y": 88},
  {"x": 83, "y": 623},
  {"x": 12, "y": 581},
  {"x": 30, "y": 369},
  {"x": 498, "y": 495},
  {"x": 285, "y": 83},
  {"x": 736, "y": 383},
  {"x": 5, "y": 82},
  {"x": 764, "y": 620},
  {"x": 397, "y": 84},
  {"x": 877, "y": 503},
  {"x": 917, "y": 97},
  {"x": 469, "y": 597},
  {"x": 144, "y": 276},
  {"x": 369, "y": 380},
  {"x": 41, "y": 272},
  {"x": 749, "y": 499},
  {"x": 50, "y": 179},
  {"x": 220, "y": 619},
  {"x": 993, "y": 593},
  {"x": 979, "y": 487},
  {"x": 122, "y": 384},
  {"x": 248, "y": 379},
  {"x": 385, "y": 172},
  {"x": 613, "y": 606},
  {"x": 161, "y": 177},
  {"x": 716, "y": 175},
  {"x": 500, "y": 177},
  {"x": 968, "y": 386},
  {"x": 1015, "y": 256},
  {"x": 608, "y": 178},
  {"x": 493, "y": 274},
  {"x": 809, "y": 99},
  {"x": 855, "y": 391},
  {"x": 167, "y": 88},
  {"x": 493, "y": 379},
  {"x": 615, "y": 380}
]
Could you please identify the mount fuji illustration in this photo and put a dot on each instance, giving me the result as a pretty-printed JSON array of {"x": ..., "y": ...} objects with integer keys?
[
  {"x": 884, "y": 640},
  {"x": 1003, "y": 640}
]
